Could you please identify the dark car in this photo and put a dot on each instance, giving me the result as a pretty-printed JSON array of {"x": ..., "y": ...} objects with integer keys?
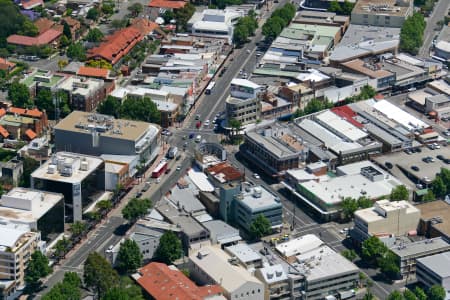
[
  {"x": 440, "y": 157},
  {"x": 168, "y": 171},
  {"x": 388, "y": 165},
  {"x": 139, "y": 195},
  {"x": 415, "y": 168},
  {"x": 447, "y": 161},
  {"x": 191, "y": 135}
]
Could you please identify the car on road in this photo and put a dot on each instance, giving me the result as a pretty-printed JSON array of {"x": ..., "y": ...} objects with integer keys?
[
  {"x": 168, "y": 171},
  {"x": 206, "y": 124},
  {"x": 138, "y": 194},
  {"x": 197, "y": 117},
  {"x": 248, "y": 51},
  {"x": 198, "y": 138},
  {"x": 388, "y": 165},
  {"x": 415, "y": 168},
  {"x": 408, "y": 151},
  {"x": 256, "y": 176},
  {"x": 191, "y": 135},
  {"x": 158, "y": 180},
  {"x": 178, "y": 168},
  {"x": 446, "y": 133}
]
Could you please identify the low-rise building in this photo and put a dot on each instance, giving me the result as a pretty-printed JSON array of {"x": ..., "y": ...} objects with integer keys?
[
  {"x": 435, "y": 270},
  {"x": 74, "y": 175},
  {"x": 385, "y": 79},
  {"x": 435, "y": 219},
  {"x": 276, "y": 282},
  {"x": 246, "y": 256},
  {"x": 49, "y": 37},
  {"x": 244, "y": 103},
  {"x": 40, "y": 211},
  {"x": 84, "y": 94},
  {"x": 42, "y": 79},
  {"x": 162, "y": 282},
  {"x": 211, "y": 265},
  {"x": 222, "y": 233},
  {"x": 386, "y": 218},
  {"x": 17, "y": 243},
  {"x": 96, "y": 134},
  {"x": 391, "y": 13},
  {"x": 408, "y": 253}
]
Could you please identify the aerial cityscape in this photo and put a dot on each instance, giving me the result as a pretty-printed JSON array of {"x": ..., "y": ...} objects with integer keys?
[{"x": 225, "y": 149}]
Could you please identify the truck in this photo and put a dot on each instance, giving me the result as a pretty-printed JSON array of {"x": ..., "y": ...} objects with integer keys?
[{"x": 172, "y": 153}]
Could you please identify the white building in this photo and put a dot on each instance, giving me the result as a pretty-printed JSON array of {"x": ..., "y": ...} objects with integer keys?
[
  {"x": 211, "y": 265},
  {"x": 214, "y": 23},
  {"x": 244, "y": 103},
  {"x": 386, "y": 218},
  {"x": 435, "y": 270},
  {"x": 298, "y": 246}
]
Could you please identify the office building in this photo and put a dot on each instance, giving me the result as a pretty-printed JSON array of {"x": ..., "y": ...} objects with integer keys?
[
  {"x": 222, "y": 233},
  {"x": 211, "y": 265},
  {"x": 408, "y": 254},
  {"x": 386, "y": 218},
  {"x": 96, "y": 134},
  {"x": 74, "y": 175},
  {"x": 244, "y": 103},
  {"x": 389, "y": 13},
  {"x": 246, "y": 256},
  {"x": 277, "y": 284},
  {"x": 84, "y": 94},
  {"x": 435, "y": 270},
  {"x": 162, "y": 282},
  {"x": 17, "y": 243},
  {"x": 40, "y": 211},
  {"x": 435, "y": 219}
]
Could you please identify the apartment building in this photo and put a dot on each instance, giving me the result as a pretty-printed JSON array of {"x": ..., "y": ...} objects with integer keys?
[{"x": 84, "y": 93}]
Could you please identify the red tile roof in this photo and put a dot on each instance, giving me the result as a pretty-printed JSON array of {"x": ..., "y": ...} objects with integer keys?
[
  {"x": 93, "y": 72},
  {"x": 162, "y": 283},
  {"x": 2, "y": 112},
  {"x": 167, "y": 4},
  {"x": 30, "y": 134},
  {"x": 117, "y": 45},
  {"x": 3, "y": 132},
  {"x": 144, "y": 26},
  {"x": 6, "y": 65},
  {"x": 348, "y": 114},
  {"x": 29, "y": 4},
  {"x": 229, "y": 172},
  {"x": 42, "y": 39},
  {"x": 43, "y": 24},
  {"x": 33, "y": 113}
]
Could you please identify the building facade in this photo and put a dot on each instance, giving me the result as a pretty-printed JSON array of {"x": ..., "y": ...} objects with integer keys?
[{"x": 435, "y": 270}]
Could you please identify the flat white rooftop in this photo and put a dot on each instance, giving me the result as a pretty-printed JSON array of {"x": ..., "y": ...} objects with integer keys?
[
  {"x": 258, "y": 198},
  {"x": 244, "y": 253},
  {"x": 372, "y": 214},
  {"x": 343, "y": 127},
  {"x": 299, "y": 245},
  {"x": 245, "y": 82}
]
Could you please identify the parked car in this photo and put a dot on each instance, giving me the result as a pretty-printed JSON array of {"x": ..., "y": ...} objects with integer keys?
[
  {"x": 256, "y": 176},
  {"x": 388, "y": 165},
  {"x": 415, "y": 168}
]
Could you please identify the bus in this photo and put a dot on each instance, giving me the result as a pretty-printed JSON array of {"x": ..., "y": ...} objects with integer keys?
[
  {"x": 210, "y": 87},
  {"x": 159, "y": 170}
]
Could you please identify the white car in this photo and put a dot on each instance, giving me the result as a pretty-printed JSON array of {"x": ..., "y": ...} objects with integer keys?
[
  {"x": 178, "y": 168},
  {"x": 158, "y": 180},
  {"x": 256, "y": 176},
  {"x": 206, "y": 124}
]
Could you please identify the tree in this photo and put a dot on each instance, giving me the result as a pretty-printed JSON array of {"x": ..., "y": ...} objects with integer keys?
[
  {"x": 127, "y": 290},
  {"x": 135, "y": 9},
  {"x": 13, "y": 22},
  {"x": 117, "y": 24},
  {"x": 61, "y": 247},
  {"x": 183, "y": 15},
  {"x": 168, "y": 16},
  {"x": 388, "y": 264},
  {"x": 78, "y": 228},
  {"x": 420, "y": 294},
  {"x": 348, "y": 207},
  {"x": 94, "y": 35},
  {"x": 395, "y": 295},
  {"x": 98, "y": 274},
  {"x": 364, "y": 202},
  {"x": 140, "y": 109},
  {"x": 136, "y": 209},
  {"x": 411, "y": 33},
  {"x": 436, "y": 292},
  {"x": 240, "y": 35},
  {"x": 429, "y": 196},
  {"x": 129, "y": 257},
  {"x": 93, "y": 14},
  {"x": 368, "y": 296},
  {"x": 260, "y": 227},
  {"x": 76, "y": 51},
  {"x": 64, "y": 41},
  {"x": 62, "y": 63},
  {"x": 271, "y": 29},
  {"x": 169, "y": 248},
  {"x": 371, "y": 249},
  {"x": 66, "y": 31},
  {"x": 29, "y": 29},
  {"x": 19, "y": 95},
  {"x": 349, "y": 254},
  {"x": 68, "y": 289},
  {"x": 104, "y": 205},
  {"x": 335, "y": 7},
  {"x": 29, "y": 165},
  {"x": 347, "y": 7},
  {"x": 108, "y": 8},
  {"x": 37, "y": 268},
  {"x": 438, "y": 187},
  {"x": 409, "y": 295},
  {"x": 44, "y": 100},
  {"x": 110, "y": 106},
  {"x": 398, "y": 193}
]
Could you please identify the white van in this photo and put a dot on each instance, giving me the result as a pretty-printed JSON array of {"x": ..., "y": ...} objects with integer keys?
[{"x": 198, "y": 138}]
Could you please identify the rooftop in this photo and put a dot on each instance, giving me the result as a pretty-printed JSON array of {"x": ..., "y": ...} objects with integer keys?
[
  {"x": 93, "y": 72},
  {"x": 421, "y": 247},
  {"x": 224, "y": 172},
  {"x": 342, "y": 126},
  {"x": 371, "y": 70},
  {"x": 439, "y": 210},
  {"x": 273, "y": 273},
  {"x": 45, "y": 38},
  {"x": 383, "y": 207},
  {"x": 245, "y": 83},
  {"x": 438, "y": 264},
  {"x": 258, "y": 198},
  {"x": 387, "y": 7},
  {"x": 23, "y": 204},
  {"x": 45, "y": 79},
  {"x": 221, "y": 231},
  {"x": 84, "y": 122},
  {"x": 67, "y": 167},
  {"x": 81, "y": 86},
  {"x": 244, "y": 253},
  {"x": 299, "y": 245},
  {"x": 185, "y": 196},
  {"x": 11, "y": 234}
]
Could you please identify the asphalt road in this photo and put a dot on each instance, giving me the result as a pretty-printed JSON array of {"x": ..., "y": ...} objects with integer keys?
[{"x": 438, "y": 13}]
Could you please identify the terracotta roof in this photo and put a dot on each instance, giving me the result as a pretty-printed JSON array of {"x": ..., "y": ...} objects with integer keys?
[
  {"x": 3, "y": 132},
  {"x": 2, "y": 112},
  {"x": 71, "y": 21},
  {"x": 93, "y": 72},
  {"x": 5, "y": 64},
  {"x": 348, "y": 114},
  {"x": 42, "y": 39},
  {"x": 29, "y": 4},
  {"x": 167, "y": 4},
  {"x": 117, "y": 45},
  {"x": 162, "y": 283},
  {"x": 30, "y": 134},
  {"x": 33, "y": 113},
  {"x": 225, "y": 171},
  {"x": 144, "y": 26},
  {"x": 43, "y": 24}
]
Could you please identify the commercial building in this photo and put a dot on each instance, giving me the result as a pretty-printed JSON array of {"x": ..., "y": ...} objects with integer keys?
[
  {"x": 244, "y": 103},
  {"x": 162, "y": 282},
  {"x": 74, "y": 175},
  {"x": 274, "y": 148},
  {"x": 434, "y": 220},
  {"x": 385, "y": 79},
  {"x": 214, "y": 23},
  {"x": 96, "y": 134},
  {"x": 325, "y": 194},
  {"x": 390, "y": 13},
  {"x": 277, "y": 283},
  {"x": 386, "y": 218},
  {"x": 221, "y": 233},
  {"x": 322, "y": 18},
  {"x": 408, "y": 254},
  {"x": 84, "y": 93},
  {"x": 40, "y": 211},
  {"x": 211, "y": 265},
  {"x": 17, "y": 243},
  {"x": 435, "y": 270},
  {"x": 246, "y": 256}
]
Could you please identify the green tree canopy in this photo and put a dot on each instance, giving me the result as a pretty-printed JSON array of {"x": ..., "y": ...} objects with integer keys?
[
  {"x": 411, "y": 34},
  {"x": 127, "y": 290},
  {"x": 110, "y": 106},
  {"x": 130, "y": 257},
  {"x": 76, "y": 51},
  {"x": 395, "y": 295},
  {"x": 348, "y": 207},
  {"x": 436, "y": 292},
  {"x": 240, "y": 35},
  {"x": 94, "y": 35},
  {"x": 68, "y": 289},
  {"x": 19, "y": 95},
  {"x": 350, "y": 255},
  {"x": 398, "y": 193},
  {"x": 335, "y": 7},
  {"x": 140, "y": 109},
  {"x": 38, "y": 267},
  {"x": 389, "y": 265},
  {"x": 99, "y": 275},
  {"x": 420, "y": 294},
  {"x": 183, "y": 15},
  {"x": 368, "y": 296},
  {"x": 13, "y": 22},
  {"x": 66, "y": 31},
  {"x": 169, "y": 248},
  {"x": 136, "y": 209},
  {"x": 409, "y": 295},
  {"x": 260, "y": 227},
  {"x": 93, "y": 14},
  {"x": 372, "y": 248},
  {"x": 78, "y": 228},
  {"x": 135, "y": 9}
]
